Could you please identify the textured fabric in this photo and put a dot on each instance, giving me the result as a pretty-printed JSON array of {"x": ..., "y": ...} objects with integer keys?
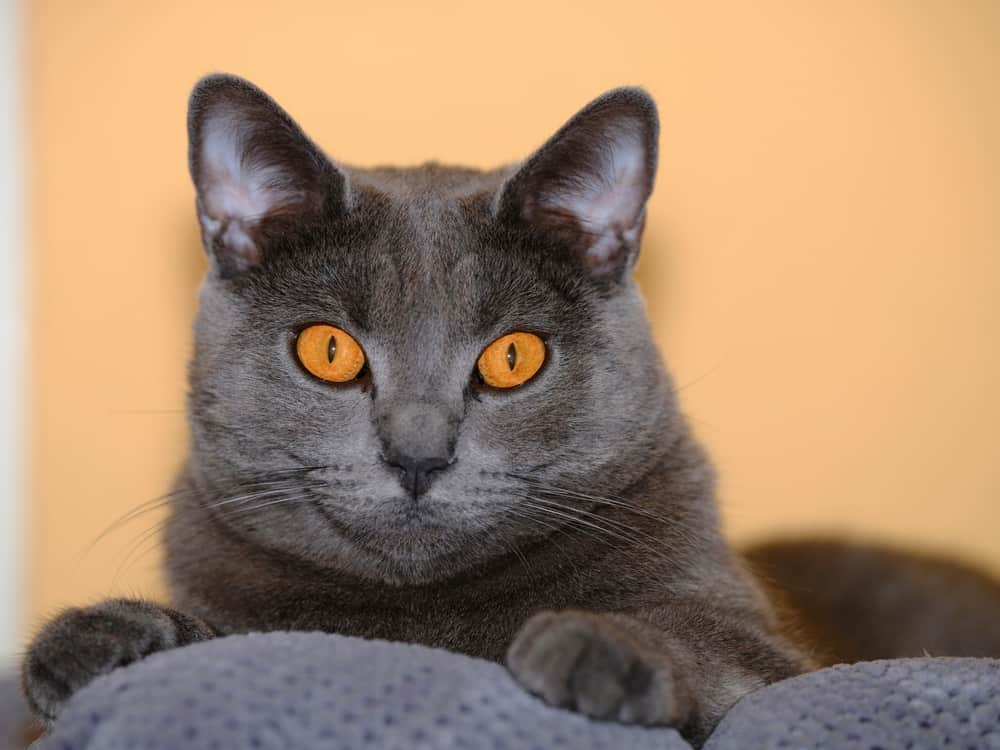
[
  {"x": 932, "y": 704},
  {"x": 324, "y": 692},
  {"x": 327, "y": 692}
]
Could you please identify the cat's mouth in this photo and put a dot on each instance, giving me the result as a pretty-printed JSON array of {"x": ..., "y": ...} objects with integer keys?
[{"x": 400, "y": 541}]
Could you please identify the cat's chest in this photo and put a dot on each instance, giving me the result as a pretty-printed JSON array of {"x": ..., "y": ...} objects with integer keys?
[
  {"x": 485, "y": 632},
  {"x": 477, "y": 621}
]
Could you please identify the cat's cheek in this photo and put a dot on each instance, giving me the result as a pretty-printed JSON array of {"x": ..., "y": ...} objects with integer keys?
[{"x": 585, "y": 662}]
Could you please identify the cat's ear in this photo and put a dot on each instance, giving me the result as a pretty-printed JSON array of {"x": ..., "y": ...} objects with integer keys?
[
  {"x": 590, "y": 182},
  {"x": 252, "y": 165}
]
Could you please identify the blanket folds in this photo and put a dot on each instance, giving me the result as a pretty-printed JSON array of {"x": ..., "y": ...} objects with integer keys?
[{"x": 327, "y": 692}]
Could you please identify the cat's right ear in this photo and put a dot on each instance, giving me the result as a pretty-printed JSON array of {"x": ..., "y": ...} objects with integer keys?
[
  {"x": 252, "y": 165},
  {"x": 590, "y": 182}
]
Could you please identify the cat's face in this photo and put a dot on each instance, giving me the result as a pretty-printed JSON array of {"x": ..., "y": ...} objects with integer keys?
[{"x": 417, "y": 468}]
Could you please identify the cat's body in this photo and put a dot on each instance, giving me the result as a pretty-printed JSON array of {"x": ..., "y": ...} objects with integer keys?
[
  {"x": 567, "y": 526},
  {"x": 848, "y": 601}
]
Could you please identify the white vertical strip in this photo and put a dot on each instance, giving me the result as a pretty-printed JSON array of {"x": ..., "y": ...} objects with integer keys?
[{"x": 13, "y": 321}]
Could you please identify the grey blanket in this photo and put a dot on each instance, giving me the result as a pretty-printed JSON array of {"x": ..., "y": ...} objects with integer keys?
[{"x": 328, "y": 692}]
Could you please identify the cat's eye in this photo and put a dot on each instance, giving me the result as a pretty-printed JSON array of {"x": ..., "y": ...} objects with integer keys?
[
  {"x": 330, "y": 353},
  {"x": 511, "y": 360}
]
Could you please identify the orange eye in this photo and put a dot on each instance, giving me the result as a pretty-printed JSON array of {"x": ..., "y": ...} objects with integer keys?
[
  {"x": 512, "y": 359},
  {"x": 330, "y": 353}
]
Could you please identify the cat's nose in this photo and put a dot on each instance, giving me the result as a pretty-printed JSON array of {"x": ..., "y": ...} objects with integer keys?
[
  {"x": 416, "y": 474},
  {"x": 418, "y": 440}
]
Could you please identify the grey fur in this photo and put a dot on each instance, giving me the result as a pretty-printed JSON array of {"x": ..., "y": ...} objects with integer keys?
[{"x": 581, "y": 492}]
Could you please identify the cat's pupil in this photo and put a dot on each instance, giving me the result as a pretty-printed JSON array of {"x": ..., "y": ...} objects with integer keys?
[
  {"x": 511, "y": 356},
  {"x": 331, "y": 349}
]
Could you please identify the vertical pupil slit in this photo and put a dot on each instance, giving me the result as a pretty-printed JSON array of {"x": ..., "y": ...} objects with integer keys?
[
  {"x": 331, "y": 349},
  {"x": 511, "y": 356}
]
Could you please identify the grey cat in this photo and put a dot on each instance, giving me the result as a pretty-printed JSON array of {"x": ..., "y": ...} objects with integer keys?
[{"x": 361, "y": 463}]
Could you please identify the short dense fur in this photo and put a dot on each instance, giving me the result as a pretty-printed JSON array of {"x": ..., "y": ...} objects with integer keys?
[
  {"x": 569, "y": 526},
  {"x": 856, "y": 602}
]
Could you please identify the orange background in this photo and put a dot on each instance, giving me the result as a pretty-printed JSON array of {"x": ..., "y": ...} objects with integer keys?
[{"x": 821, "y": 260}]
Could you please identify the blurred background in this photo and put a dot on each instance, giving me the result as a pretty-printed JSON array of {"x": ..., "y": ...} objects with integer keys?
[{"x": 821, "y": 260}]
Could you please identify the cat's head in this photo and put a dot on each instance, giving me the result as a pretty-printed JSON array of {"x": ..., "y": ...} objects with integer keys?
[{"x": 354, "y": 400}]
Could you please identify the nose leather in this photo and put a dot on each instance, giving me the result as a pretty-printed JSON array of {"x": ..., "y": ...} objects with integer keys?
[
  {"x": 418, "y": 440},
  {"x": 416, "y": 474}
]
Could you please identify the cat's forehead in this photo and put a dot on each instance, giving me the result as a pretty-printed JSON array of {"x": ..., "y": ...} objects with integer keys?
[
  {"x": 423, "y": 257},
  {"x": 425, "y": 249},
  {"x": 429, "y": 228},
  {"x": 431, "y": 247}
]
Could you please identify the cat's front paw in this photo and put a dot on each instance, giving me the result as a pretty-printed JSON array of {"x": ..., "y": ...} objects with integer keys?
[
  {"x": 587, "y": 662},
  {"x": 84, "y": 643}
]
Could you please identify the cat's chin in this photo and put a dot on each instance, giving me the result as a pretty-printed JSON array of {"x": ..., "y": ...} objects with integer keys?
[
  {"x": 400, "y": 568},
  {"x": 418, "y": 554},
  {"x": 390, "y": 539}
]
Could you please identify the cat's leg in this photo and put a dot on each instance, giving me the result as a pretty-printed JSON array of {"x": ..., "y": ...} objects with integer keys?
[
  {"x": 83, "y": 643},
  {"x": 623, "y": 668}
]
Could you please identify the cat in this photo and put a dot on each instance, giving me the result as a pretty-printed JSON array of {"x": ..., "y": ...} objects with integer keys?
[
  {"x": 849, "y": 602},
  {"x": 425, "y": 405}
]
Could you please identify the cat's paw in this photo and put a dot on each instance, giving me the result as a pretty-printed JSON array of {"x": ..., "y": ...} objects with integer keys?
[
  {"x": 588, "y": 663},
  {"x": 84, "y": 643}
]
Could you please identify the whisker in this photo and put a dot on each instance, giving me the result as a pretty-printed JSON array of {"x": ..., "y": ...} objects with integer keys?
[
  {"x": 279, "y": 501},
  {"x": 582, "y": 511},
  {"x": 524, "y": 514},
  {"x": 257, "y": 495},
  {"x": 603, "y": 500},
  {"x": 147, "y": 507},
  {"x": 563, "y": 527},
  {"x": 675, "y": 521},
  {"x": 516, "y": 551},
  {"x": 136, "y": 550},
  {"x": 653, "y": 543},
  {"x": 257, "y": 480},
  {"x": 576, "y": 519},
  {"x": 697, "y": 379},
  {"x": 602, "y": 531}
]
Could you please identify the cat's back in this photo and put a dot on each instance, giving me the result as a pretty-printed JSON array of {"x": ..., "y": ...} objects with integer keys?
[{"x": 856, "y": 602}]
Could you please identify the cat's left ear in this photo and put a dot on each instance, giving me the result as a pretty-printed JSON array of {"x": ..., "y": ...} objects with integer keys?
[
  {"x": 256, "y": 173},
  {"x": 590, "y": 182}
]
